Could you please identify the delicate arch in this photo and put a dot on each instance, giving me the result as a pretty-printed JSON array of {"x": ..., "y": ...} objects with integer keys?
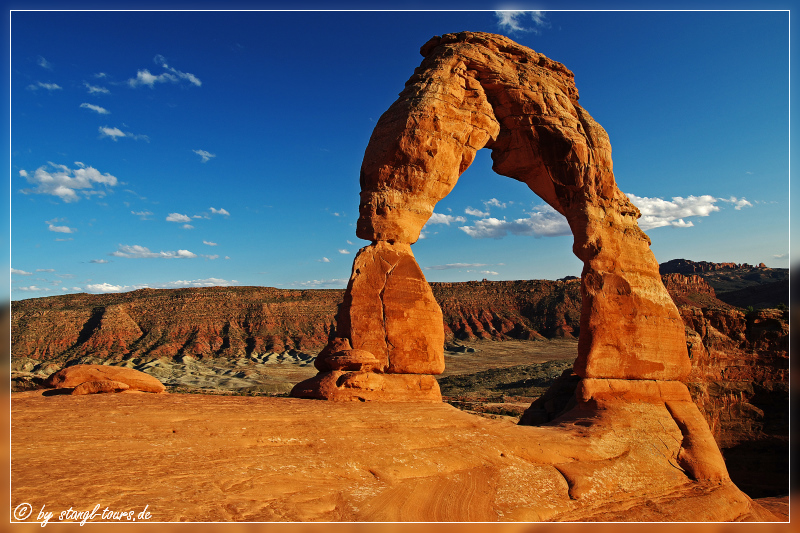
[{"x": 476, "y": 90}]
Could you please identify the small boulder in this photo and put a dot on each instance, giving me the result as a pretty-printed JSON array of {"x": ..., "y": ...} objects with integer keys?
[
  {"x": 72, "y": 376},
  {"x": 97, "y": 387}
]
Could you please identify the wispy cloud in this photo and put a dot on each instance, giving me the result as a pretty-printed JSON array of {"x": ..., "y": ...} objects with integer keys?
[
  {"x": 45, "y": 270},
  {"x": 142, "y": 252},
  {"x": 223, "y": 212},
  {"x": 321, "y": 283},
  {"x": 172, "y": 75},
  {"x": 177, "y": 217},
  {"x": 544, "y": 221},
  {"x": 738, "y": 203},
  {"x": 142, "y": 214},
  {"x": 517, "y": 21},
  {"x": 209, "y": 243},
  {"x": 31, "y": 288},
  {"x": 97, "y": 109},
  {"x": 495, "y": 203},
  {"x": 42, "y": 62},
  {"x": 99, "y": 261},
  {"x": 204, "y": 156},
  {"x": 343, "y": 251},
  {"x": 63, "y": 182},
  {"x": 94, "y": 89},
  {"x": 781, "y": 256},
  {"x": 58, "y": 229},
  {"x": 115, "y": 133},
  {"x": 454, "y": 266},
  {"x": 323, "y": 260},
  {"x": 40, "y": 85},
  {"x": 476, "y": 212},
  {"x": 19, "y": 272}
]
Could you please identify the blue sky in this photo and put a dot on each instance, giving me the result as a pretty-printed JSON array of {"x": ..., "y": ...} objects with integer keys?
[{"x": 175, "y": 149}]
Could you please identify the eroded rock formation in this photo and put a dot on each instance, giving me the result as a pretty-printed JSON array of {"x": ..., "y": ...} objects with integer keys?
[
  {"x": 91, "y": 379},
  {"x": 476, "y": 90}
]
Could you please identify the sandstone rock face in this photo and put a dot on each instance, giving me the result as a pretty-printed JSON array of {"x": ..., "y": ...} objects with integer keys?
[
  {"x": 389, "y": 310},
  {"x": 98, "y": 387},
  {"x": 73, "y": 376},
  {"x": 476, "y": 90}
]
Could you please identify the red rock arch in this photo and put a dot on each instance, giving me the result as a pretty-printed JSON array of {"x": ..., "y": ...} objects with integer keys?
[{"x": 476, "y": 90}]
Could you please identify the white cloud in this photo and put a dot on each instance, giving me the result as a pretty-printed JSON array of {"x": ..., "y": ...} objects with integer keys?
[
  {"x": 105, "y": 131},
  {"x": 45, "y": 270},
  {"x": 177, "y": 217},
  {"x": 476, "y": 213},
  {"x": 141, "y": 252},
  {"x": 48, "y": 86},
  {"x": 451, "y": 266},
  {"x": 512, "y": 21},
  {"x": 59, "y": 229},
  {"x": 321, "y": 283},
  {"x": 350, "y": 243},
  {"x": 42, "y": 62},
  {"x": 209, "y": 243},
  {"x": 210, "y": 257},
  {"x": 496, "y": 203},
  {"x": 96, "y": 108},
  {"x": 343, "y": 251},
  {"x": 204, "y": 156},
  {"x": 657, "y": 212},
  {"x": 219, "y": 212},
  {"x": 543, "y": 222},
  {"x": 94, "y": 89},
  {"x": 64, "y": 181},
  {"x": 144, "y": 77},
  {"x": 490, "y": 272},
  {"x": 207, "y": 282},
  {"x": 99, "y": 261},
  {"x": 20, "y": 272},
  {"x": 776, "y": 256},
  {"x": 142, "y": 214},
  {"x": 106, "y": 288},
  {"x": 439, "y": 218},
  {"x": 738, "y": 203},
  {"x": 32, "y": 288},
  {"x": 187, "y": 226},
  {"x": 323, "y": 260}
]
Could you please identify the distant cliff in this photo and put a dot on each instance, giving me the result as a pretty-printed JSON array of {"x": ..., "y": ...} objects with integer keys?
[{"x": 239, "y": 321}]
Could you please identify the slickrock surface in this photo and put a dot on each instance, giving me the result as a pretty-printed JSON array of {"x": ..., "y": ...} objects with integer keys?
[{"x": 209, "y": 458}]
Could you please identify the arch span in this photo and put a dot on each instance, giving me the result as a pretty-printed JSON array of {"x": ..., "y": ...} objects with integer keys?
[{"x": 476, "y": 90}]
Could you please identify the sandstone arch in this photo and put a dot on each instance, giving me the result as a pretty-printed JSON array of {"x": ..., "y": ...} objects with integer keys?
[{"x": 476, "y": 90}]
